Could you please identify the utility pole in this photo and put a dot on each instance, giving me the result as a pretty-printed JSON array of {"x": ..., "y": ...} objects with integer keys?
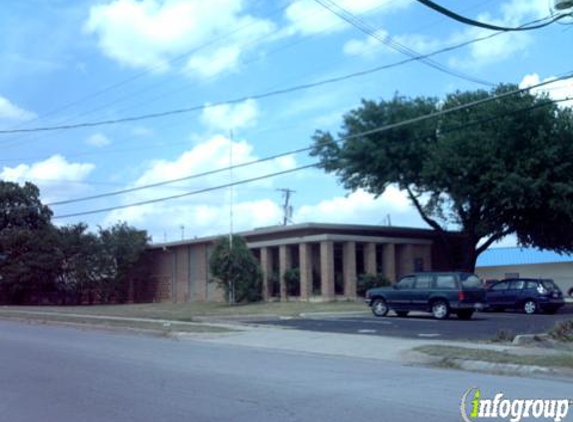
[
  {"x": 287, "y": 208},
  {"x": 232, "y": 290}
]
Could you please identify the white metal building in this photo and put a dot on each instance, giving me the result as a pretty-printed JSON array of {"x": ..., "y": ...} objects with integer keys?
[{"x": 500, "y": 263}]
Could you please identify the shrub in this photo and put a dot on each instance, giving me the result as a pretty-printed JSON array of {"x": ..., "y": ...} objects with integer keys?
[
  {"x": 369, "y": 281},
  {"x": 236, "y": 270},
  {"x": 562, "y": 331},
  {"x": 292, "y": 281},
  {"x": 503, "y": 336}
]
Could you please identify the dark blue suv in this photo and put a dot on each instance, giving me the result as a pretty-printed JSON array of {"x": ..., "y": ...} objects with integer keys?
[
  {"x": 529, "y": 294},
  {"x": 436, "y": 292}
]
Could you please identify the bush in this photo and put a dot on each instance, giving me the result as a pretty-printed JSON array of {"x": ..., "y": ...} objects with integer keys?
[
  {"x": 562, "y": 331},
  {"x": 236, "y": 270},
  {"x": 503, "y": 336},
  {"x": 369, "y": 281},
  {"x": 292, "y": 281}
]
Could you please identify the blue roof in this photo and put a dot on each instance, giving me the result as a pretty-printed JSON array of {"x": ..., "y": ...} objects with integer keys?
[{"x": 496, "y": 257}]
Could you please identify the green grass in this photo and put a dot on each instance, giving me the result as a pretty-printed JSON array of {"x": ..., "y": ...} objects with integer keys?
[
  {"x": 188, "y": 311},
  {"x": 112, "y": 323},
  {"x": 453, "y": 353}
]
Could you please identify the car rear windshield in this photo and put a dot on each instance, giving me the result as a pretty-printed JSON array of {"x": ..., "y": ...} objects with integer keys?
[
  {"x": 471, "y": 281},
  {"x": 549, "y": 285}
]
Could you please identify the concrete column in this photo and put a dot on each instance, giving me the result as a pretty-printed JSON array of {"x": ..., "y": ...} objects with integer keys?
[
  {"x": 199, "y": 263},
  {"x": 267, "y": 269},
  {"x": 349, "y": 269},
  {"x": 370, "y": 258},
  {"x": 285, "y": 262},
  {"x": 305, "y": 260},
  {"x": 406, "y": 260},
  {"x": 427, "y": 256},
  {"x": 327, "y": 270},
  {"x": 389, "y": 261}
]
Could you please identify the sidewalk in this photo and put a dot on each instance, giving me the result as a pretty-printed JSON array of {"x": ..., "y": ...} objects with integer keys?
[
  {"x": 392, "y": 349},
  {"x": 363, "y": 346}
]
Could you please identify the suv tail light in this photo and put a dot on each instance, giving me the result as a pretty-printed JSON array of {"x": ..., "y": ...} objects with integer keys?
[{"x": 461, "y": 296}]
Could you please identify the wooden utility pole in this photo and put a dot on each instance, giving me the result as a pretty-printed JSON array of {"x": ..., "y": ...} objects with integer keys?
[{"x": 287, "y": 208}]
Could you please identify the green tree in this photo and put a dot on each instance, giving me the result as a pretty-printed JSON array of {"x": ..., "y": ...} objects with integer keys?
[
  {"x": 29, "y": 262},
  {"x": 499, "y": 168},
  {"x": 80, "y": 268},
  {"x": 120, "y": 250},
  {"x": 236, "y": 270}
]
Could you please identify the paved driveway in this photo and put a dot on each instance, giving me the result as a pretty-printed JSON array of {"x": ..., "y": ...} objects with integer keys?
[{"x": 483, "y": 326}]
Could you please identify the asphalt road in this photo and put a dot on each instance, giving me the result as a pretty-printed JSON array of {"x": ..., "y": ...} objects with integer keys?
[
  {"x": 483, "y": 325},
  {"x": 51, "y": 373}
]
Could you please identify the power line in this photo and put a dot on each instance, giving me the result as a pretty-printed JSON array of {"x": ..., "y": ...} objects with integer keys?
[
  {"x": 153, "y": 201},
  {"x": 255, "y": 96},
  {"x": 157, "y": 67},
  {"x": 143, "y": 73},
  {"x": 390, "y": 42},
  {"x": 451, "y": 14},
  {"x": 365, "y": 133},
  {"x": 267, "y": 176},
  {"x": 167, "y": 182}
]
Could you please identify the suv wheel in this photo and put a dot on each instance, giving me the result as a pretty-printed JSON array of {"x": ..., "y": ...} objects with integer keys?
[
  {"x": 530, "y": 307},
  {"x": 379, "y": 307},
  {"x": 440, "y": 309}
]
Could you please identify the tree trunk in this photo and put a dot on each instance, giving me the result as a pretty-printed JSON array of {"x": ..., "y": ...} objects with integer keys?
[{"x": 469, "y": 255}]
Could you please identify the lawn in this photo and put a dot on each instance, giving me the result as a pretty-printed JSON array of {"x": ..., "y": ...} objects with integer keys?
[
  {"x": 453, "y": 353},
  {"x": 103, "y": 322},
  {"x": 188, "y": 311}
]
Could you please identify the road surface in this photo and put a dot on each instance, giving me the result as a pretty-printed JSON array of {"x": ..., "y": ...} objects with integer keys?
[
  {"x": 483, "y": 325},
  {"x": 63, "y": 374}
]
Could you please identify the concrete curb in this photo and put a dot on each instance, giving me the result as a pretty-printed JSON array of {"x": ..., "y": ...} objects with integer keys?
[
  {"x": 334, "y": 314},
  {"x": 504, "y": 368},
  {"x": 166, "y": 322}
]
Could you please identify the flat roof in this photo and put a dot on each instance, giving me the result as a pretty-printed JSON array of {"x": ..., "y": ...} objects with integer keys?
[
  {"x": 325, "y": 227},
  {"x": 498, "y": 257}
]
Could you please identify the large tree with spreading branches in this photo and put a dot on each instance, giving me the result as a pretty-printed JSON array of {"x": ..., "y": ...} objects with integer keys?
[{"x": 501, "y": 166}]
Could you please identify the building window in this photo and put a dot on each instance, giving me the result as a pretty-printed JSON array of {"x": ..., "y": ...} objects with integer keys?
[{"x": 418, "y": 264}]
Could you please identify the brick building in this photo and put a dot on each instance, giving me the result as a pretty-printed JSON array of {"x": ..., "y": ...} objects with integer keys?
[{"x": 330, "y": 258}]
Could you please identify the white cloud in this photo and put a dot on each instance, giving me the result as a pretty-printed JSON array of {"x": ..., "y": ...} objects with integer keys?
[
  {"x": 372, "y": 47},
  {"x": 98, "y": 140},
  {"x": 56, "y": 177},
  {"x": 361, "y": 207},
  {"x": 142, "y": 131},
  {"x": 499, "y": 48},
  {"x": 10, "y": 111},
  {"x": 150, "y": 33},
  {"x": 557, "y": 90},
  {"x": 205, "y": 213},
  {"x": 307, "y": 17},
  {"x": 368, "y": 47},
  {"x": 227, "y": 116}
]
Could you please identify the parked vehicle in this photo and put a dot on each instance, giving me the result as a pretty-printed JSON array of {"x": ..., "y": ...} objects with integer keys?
[
  {"x": 486, "y": 282},
  {"x": 530, "y": 295},
  {"x": 439, "y": 293}
]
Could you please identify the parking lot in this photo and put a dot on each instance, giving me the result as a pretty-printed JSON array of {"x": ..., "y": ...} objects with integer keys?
[{"x": 483, "y": 325}]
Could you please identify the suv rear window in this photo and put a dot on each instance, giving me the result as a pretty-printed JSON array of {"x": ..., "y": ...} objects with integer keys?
[
  {"x": 549, "y": 285},
  {"x": 471, "y": 282},
  {"x": 445, "y": 282}
]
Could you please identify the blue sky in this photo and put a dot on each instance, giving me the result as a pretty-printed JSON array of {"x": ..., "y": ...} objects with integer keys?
[{"x": 67, "y": 62}]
